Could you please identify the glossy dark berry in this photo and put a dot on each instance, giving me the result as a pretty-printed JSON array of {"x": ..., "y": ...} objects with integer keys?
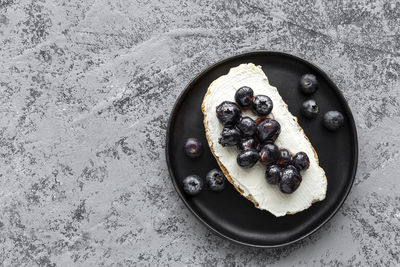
[
  {"x": 228, "y": 113},
  {"x": 269, "y": 129},
  {"x": 269, "y": 154},
  {"x": 247, "y": 144},
  {"x": 229, "y": 137},
  {"x": 265, "y": 143},
  {"x": 284, "y": 158},
  {"x": 215, "y": 180},
  {"x": 247, "y": 126},
  {"x": 308, "y": 84},
  {"x": 301, "y": 161},
  {"x": 290, "y": 180},
  {"x": 248, "y": 158},
  {"x": 333, "y": 120},
  {"x": 192, "y": 148},
  {"x": 262, "y": 105},
  {"x": 192, "y": 185},
  {"x": 244, "y": 96},
  {"x": 310, "y": 109},
  {"x": 273, "y": 174}
]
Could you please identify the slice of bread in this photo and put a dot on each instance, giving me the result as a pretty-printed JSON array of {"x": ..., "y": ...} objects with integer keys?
[{"x": 251, "y": 183}]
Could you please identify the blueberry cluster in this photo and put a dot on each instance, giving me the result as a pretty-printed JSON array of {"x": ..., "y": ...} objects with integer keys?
[
  {"x": 194, "y": 184},
  {"x": 255, "y": 139},
  {"x": 308, "y": 85}
]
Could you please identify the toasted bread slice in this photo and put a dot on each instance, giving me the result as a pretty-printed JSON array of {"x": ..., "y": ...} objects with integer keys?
[{"x": 251, "y": 183}]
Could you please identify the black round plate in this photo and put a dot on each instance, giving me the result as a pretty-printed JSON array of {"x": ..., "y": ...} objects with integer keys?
[{"x": 228, "y": 213}]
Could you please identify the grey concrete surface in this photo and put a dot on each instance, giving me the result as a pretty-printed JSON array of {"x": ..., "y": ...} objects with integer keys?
[{"x": 86, "y": 88}]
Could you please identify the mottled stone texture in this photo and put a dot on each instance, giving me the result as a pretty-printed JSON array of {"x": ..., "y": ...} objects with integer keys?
[{"x": 86, "y": 89}]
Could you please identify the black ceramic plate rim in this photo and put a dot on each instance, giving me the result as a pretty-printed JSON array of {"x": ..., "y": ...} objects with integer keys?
[{"x": 337, "y": 92}]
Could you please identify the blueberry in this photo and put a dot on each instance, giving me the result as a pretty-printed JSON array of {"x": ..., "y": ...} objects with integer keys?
[
  {"x": 308, "y": 83},
  {"x": 215, "y": 180},
  {"x": 229, "y": 137},
  {"x": 247, "y": 144},
  {"x": 192, "y": 185},
  {"x": 301, "y": 161},
  {"x": 244, "y": 96},
  {"x": 269, "y": 154},
  {"x": 310, "y": 109},
  {"x": 228, "y": 113},
  {"x": 333, "y": 120},
  {"x": 192, "y": 148},
  {"x": 273, "y": 174},
  {"x": 248, "y": 158},
  {"x": 247, "y": 126},
  {"x": 262, "y": 105},
  {"x": 265, "y": 143},
  {"x": 290, "y": 180},
  {"x": 284, "y": 158},
  {"x": 268, "y": 129}
]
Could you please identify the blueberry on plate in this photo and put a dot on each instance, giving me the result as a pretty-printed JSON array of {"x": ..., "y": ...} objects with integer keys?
[
  {"x": 229, "y": 137},
  {"x": 284, "y": 158},
  {"x": 244, "y": 96},
  {"x": 262, "y": 105},
  {"x": 269, "y": 154},
  {"x": 290, "y": 180},
  {"x": 273, "y": 174},
  {"x": 308, "y": 84},
  {"x": 248, "y": 158},
  {"x": 301, "y": 161},
  {"x": 192, "y": 148},
  {"x": 333, "y": 120},
  {"x": 192, "y": 185},
  {"x": 228, "y": 113},
  {"x": 247, "y": 144},
  {"x": 310, "y": 109},
  {"x": 247, "y": 126},
  {"x": 269, "y": 129},
  {"x": 215, "y": 180}
]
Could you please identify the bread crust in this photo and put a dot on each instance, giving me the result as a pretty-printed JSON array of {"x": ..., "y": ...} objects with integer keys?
[{"x": 225, "y": 171}]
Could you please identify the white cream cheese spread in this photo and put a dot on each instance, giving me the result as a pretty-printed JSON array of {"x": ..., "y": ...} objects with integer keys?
[{"x": 252, "y": 181}]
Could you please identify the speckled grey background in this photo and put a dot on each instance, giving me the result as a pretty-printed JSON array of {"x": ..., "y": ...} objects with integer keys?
[{"x": 86, "y": 88}]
